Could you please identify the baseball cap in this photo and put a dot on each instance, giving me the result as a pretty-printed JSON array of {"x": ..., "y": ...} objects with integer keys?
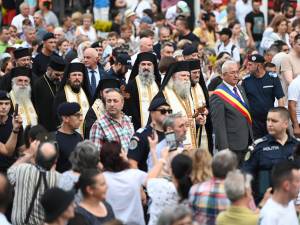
[{"x": 124, "y": 59}]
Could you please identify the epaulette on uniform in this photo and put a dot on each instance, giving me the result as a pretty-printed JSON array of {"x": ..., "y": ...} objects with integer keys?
[
  {"x": 247, "y": 76},
  {"x": 259, "y": 140},
  {"x": 140, "y": 130},
  {"x": 251, "y": 147},
  {"x": 272, "y": 74}
]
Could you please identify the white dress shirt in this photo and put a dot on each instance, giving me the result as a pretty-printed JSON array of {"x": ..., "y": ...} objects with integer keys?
[
  {"x": 97, "y": 75},
  {"x": 231, "y": 89}
]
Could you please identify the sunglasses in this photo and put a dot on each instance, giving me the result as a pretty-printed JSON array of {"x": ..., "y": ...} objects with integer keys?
[{"x": 164, "y": 111}]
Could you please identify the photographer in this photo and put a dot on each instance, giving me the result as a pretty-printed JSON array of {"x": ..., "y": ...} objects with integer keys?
[{"x": 31, "y": 180}]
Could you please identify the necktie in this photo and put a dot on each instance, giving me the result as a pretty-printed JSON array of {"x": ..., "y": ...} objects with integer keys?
[
  {"x": 93, "y": 82},
  {"x": 236, "y": 92}
]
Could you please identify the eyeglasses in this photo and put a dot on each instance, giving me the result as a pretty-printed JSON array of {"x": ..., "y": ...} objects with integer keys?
[{"x": 164, "y": 111}]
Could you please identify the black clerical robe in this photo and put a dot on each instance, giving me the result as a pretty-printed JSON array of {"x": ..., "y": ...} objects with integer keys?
[
  {"x": 133, "y": 99},
  {"x": 44, "y": 91}
]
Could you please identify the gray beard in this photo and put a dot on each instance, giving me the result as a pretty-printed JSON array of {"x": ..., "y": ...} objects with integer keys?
[
  {"x": 182, "y": 88},
  {"x": 22, "y": 95},
  {"x": 146, "y": 78}
]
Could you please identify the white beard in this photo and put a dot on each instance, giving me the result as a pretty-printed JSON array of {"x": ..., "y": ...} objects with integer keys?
[
  {"x": 23, "y": 95},
  {"x": 182, "y": 88},
  {"x": 147, "y": 78}
]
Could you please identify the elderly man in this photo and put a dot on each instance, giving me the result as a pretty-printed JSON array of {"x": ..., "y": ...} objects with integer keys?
[
  {"x": 22, "y": 57},
  {"x": 113, "y": 125},
  {"x": 25, "y": 14},
  {"x": 238, "y": 191},
  {"x": 21, "y": 95},
  {"x": 230, "y": 115},
  {"x": 30, "y": 36},
  {"x": 74, "y": 88},
  {"x": 146, "y": 45},
  {"x": 143, "y": 85},
  {"x": 91, "y": 60},
  {"x": 208, "y": 199},
  {"x": 176, "y": 89},
  {"x": 44, "y": 90}
]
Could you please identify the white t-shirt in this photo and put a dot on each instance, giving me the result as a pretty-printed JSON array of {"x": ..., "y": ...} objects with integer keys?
[
  {"x": 230, "y": 48},
  {"x": 274, "y": 213},
  {"x": 242, "y": 9},
  {"x": 18, "y": 19},
  {"x": 124, "y": 195},
  {"x": 294, "y": 94}
]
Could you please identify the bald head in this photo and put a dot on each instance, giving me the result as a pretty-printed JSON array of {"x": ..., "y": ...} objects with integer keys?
[
  {"x": 46, "y": 155},
  {"x": 91, "y": 58},
  {"x": 146, "y": 44}
]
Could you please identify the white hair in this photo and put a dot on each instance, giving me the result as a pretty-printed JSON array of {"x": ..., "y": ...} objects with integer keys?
[
  {"x": 22, "y": 5},
  {"x": 58, "y": 29},
  {"x": 236, "y": 184},
  {"x": 81, "y": 48},
  {"x": 227, "y": 64},
  {"x": 23, "y": 95}
]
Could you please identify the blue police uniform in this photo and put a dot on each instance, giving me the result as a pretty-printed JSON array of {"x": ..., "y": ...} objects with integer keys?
[
  {"x": 261, "y": 94},
  {"x": 111, "y": 73},
  {"x": 139, "y": 146},
  {"x": 266, "y": 153}
]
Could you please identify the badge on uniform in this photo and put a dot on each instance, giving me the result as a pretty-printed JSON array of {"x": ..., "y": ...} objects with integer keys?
[{"x": 133, "y": 144}]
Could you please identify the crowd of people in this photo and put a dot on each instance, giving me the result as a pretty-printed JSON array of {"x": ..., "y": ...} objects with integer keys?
[{"x": 135, "y": 112}]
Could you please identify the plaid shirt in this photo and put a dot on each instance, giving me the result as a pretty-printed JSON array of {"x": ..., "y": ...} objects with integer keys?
[
  {"x": 107, "y": 129},
  {"x": 207, "y": 200}
]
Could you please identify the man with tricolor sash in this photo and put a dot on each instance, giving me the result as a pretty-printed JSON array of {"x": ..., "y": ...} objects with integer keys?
[{"x": 232, "y": 122}]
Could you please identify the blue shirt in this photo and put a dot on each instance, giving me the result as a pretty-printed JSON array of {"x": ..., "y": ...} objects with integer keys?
[
  {"x": 101, "y": 3},
  {"x": 261, "y": 93}
]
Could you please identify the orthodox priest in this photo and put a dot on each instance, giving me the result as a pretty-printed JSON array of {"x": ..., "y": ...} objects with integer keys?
[
  {"x": 98, "y": 108},
  {"x": 21, "y": 95},
  {"x": 201, "y": 99},
  {"x": 176, "y": 89},
  {"x": 74, "y": 88},
  {"x": 44, "y": 91},
  {"x": 143, "y": 85}
]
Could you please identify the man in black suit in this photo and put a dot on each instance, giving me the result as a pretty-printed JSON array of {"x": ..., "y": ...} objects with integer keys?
[
  {"x": 91, "y": 60},
  {"x": 230, "y": 115}
]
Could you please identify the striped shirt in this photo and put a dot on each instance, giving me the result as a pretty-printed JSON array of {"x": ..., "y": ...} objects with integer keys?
[
  {"x": 24, "y": 178},
  {"x": 108, "y": 129},
  {"x": 207, "y": 200}
]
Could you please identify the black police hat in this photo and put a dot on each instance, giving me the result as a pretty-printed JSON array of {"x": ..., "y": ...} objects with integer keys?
[
  {"x": 48, "y": 36},
  {"x": 4, "y": 95},
  {"x": 256, "y": 58},
  {"x": 157, "y": 102}
]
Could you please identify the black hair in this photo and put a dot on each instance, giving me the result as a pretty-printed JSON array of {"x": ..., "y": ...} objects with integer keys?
[
  {"x": 86, "y": 179},
  {"x": 282, "y": 111},
  {"x": 269, "y": 64},
  {"x": 31, "y": 132},
  {"x": 182, "y": 166},
  {"x": 281, "y": 172},
  {"x": 206, "y": 16}
]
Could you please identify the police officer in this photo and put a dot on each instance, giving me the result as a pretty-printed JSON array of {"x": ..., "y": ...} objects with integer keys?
[
  {"x": 139, "y": 149},
  {"x": 269, "y": 150},
  {"x": 262, "y": 88}
]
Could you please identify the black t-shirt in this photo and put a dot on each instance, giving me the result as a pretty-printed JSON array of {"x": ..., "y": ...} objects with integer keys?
[
  {"x": 84, "y": 217},
  {"x": 257, "y": 21},
  {"x": 66, "y": 144},
  {"x": 139, "y": 146},
  {"x": 191, "y": 36},
  {"x": 5, "y": 131}
]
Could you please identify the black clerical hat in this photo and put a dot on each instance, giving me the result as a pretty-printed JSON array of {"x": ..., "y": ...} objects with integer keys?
[
  {"x": 189, "y": 49},
  {"x": 194, "y": 65},
  {"x": 157, "y": 102},
  {"x": 76, "y": 67},
  {"x": 50, "y": 199},
  {"x": 68, "y": 108},
  {"x": 48, "y": 36},
  {"x": 21, "y": 71},
  {"x": 21, "y": 52},
  {"x": 174, "y": 68},
  {"x": 4, "y": 95},
  {"x": 57, "y": 63},
  {"x": 109, "y": 82}
]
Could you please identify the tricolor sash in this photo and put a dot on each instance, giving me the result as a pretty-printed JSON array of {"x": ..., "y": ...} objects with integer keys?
[{"x": 235, "y": 101}]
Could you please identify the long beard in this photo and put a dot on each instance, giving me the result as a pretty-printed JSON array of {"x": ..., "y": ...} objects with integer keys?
[
  {"x": 22, "y": 95},
  {"x": 75, "y": 87},
  {"x": 182, "y": 88},
  {"x": 146, "y": 77}
]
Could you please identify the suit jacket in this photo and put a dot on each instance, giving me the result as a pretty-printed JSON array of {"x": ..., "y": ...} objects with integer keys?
[
  {"x": 101, "y": 71},
  {"x": 231, "y": 128}
]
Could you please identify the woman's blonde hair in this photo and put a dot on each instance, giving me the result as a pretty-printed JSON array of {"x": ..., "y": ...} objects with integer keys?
[{"x": 202, "y": 170}]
